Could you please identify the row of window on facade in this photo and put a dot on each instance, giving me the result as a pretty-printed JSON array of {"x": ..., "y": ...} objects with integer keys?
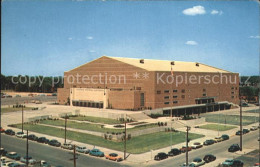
[{"x": 174, "y": 102}]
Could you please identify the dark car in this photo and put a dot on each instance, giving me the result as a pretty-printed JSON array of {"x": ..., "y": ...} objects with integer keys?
[
  {"x": 3, "y": 152},
  {"x": 54, "y": 143},
  {"x": 225, "y": 137},
  {"x": 209, "y": 158},
  {"x": 32, "y": 137},
  {"x": 245, "y": 131},
  {"x": 9, "y": 132},
  {"x": 232, "y": 163},
  {"x": 43, "y": 140},
  {"x": 174, "y": 151},
  {"x": 13, "y": 155},
  {"x": 160, "y": 156},
  {"x": 233, "y": 148},
  {"x": 208, "y": 142}
]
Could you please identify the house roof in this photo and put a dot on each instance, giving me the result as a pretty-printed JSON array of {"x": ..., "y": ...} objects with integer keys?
[{"x": 165, "y": 65}]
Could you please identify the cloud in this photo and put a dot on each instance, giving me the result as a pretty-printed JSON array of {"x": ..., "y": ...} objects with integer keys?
[
  {"x": 191, "y": 43},
  {"x": 256, "y": 37},
  {"x": 195, "y": 10},
  {"x": 216, "y": 12},
  {"x": 89, "y": 37},
  {"x": 70, "y": 38}
]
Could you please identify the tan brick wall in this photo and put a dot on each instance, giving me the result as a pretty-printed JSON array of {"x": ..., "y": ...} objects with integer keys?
[{"x": 62, "y": 95}]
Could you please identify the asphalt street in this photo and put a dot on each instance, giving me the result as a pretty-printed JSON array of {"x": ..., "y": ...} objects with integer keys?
[
  {"x": 55, "y": 156},
  {"x": 218, "y": 149}
]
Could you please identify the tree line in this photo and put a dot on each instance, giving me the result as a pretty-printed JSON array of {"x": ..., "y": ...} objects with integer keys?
[{"x": 31, "y": 83}]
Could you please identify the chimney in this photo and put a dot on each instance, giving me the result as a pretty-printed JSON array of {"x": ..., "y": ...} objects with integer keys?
[
  {"x": 197, "y": 64},
  {"x": 142, "y": 61},
  {"x": 172, "y": 63}
]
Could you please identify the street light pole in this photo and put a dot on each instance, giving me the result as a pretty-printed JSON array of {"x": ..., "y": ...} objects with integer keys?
[
  {"x": 125, "y": 142},
  {"x": 241, "y": 133},
  {"x": 65, "y": 128},
  {"x": 187, "y": 138},
  {"x": 22, "y": 118},
  {"x": 27, "y": 150}
]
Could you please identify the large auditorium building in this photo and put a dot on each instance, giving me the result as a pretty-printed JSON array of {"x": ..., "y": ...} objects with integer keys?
[{"x": 139, "y": 84}]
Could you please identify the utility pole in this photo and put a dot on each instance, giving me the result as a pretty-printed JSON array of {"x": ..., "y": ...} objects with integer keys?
[
  {"x": 22, "y": 118},
  {"x": 65, "y": 128},
  {"x": 241, "y": 132},
  {"x": 27, "y": 150},
  {"x": 125, "y": 143},
  {"x": 74, "y": 155},
  {"x": 187, "y": 141}
]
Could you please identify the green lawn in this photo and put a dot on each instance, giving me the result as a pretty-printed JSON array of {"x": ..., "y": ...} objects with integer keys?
[
  {"x": 136, "y": 145},
  {"x": 96, "y": 119},
  {"x": 11, "y": 109},
  {"x": 92, "y": 127},
  {"x": 217, "y": 127},
  {"x": 253, "y": 111},
  {"x": 230, "y": 119}
]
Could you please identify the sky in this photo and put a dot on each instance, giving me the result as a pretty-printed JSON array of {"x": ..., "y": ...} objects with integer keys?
[{"x": 50, "y": 37}]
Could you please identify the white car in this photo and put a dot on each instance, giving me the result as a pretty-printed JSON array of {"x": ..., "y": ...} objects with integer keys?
[
  {"x": 67, "y": 146},
  {"x": 30, "y": 160},
  {"x": 254, "y": 128},
  {"x": 196, "y": 145},
  {"x": 198, "y": 162},
  {"x": 21, "y": 135},
  {"x": 82, "y": 149}
]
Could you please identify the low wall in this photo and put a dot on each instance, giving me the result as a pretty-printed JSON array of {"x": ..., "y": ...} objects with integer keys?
[{"x": 194, "y": 122}]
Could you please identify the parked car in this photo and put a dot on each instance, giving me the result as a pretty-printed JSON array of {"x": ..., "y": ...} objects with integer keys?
[
  {"x": 232, "y": 163},
  {"x": 198, "y": 162},
  {"x": 96, "y": 152},
  {"x": 13, "y": 155},
  {"x": 160, "y": 156},
  {"x": 183, "y": 149},
  {"x": 233, "y": 148},
  {"x": 32, "y": 137},
  {"x": 114, "y": 157},
  {"x": 225, "y": 137},
  {"x": 30, "y": 160},
  {"x": 14, "y": 164},
  {"x": 44, "y": 164},
  {"x": 196, "y": 145},
  {"x": 67, "y": 146},
  {"x": 43, "y": 140},
  {"x": 256, "y": 165},
  {"x": 189, "y": 165},
  {"x": 10, "y": 132},
  {"x": 208, "y": 142},
  {"x": 55, "y": 143},
  {"x": 21, "y": 135},
  {"x": 3, "y": 152},
  {"x": 2, "y": 130},
  {"x": 17, "y": 95},
  {"x": 253, "y": 128},
  {"x": 246, "y": 131},
  {"x": 174, "y": 151},
  {"x": 82, "y": 149},
  {"x": 218, "y": 139},
  {"x": 209, "y": 158},
  {"x": 38, "y": 102}
]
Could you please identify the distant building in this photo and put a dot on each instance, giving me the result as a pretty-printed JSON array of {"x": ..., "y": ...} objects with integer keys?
[{"x": 137, "y": 84}]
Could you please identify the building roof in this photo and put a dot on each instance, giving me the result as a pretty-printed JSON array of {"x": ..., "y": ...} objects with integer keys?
[{"x": 165, "y": 65}]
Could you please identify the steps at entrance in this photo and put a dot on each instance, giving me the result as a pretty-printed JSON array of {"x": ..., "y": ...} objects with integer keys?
[{"x": 138, "y": 116}]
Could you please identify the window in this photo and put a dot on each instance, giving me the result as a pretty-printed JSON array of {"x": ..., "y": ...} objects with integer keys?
[
  {"x": 138, "y": 88},
  {"x": 166, "y": 91},
  {"x": 175, "y": 90},
  {"x": 167, "y": 102},
  {"x": 158, "y": 92},
  {"x": 204, "y": 90},
  {"x": 166, "y": 97},
  {"x": 232, "y": 87},
  {"x": 183, "y": 96},
  {"x": 232, "y": 93},
  {"x": 232, "y": 97},
  {"x": 204, "y": 94},
  {"x": 175, "y": 102},
  {"x": 174, "y": 96},
  {"x": 183, "y": 91},
  {"x": 142, "y": 99}
]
